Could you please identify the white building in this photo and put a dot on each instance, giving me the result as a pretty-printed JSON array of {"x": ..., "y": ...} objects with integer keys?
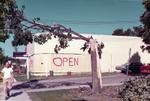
[{"x": 43, "y": 59}]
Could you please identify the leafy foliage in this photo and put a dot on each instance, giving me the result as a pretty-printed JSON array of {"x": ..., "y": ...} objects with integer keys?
[
  {"x": 99, "y": 49},
  {"x": 23, "y": 30},
  {"x": 3, "y": 37},
  {"x": 118, "y": 32},
  {"x": 1, "y": 56},
  {"x": 85, "y": 46},
  {"x": 22, "y": 39},
  {"x": 4, "y": 6},
  {"x": 145, "y": 19},
  {"x": 136, "y": 31},
  {"x": 136, "y": 90},
  {"x": 14, "y": 21},
  {"x": 100, "y": 46},
  {"x": 140, "y": 31}
]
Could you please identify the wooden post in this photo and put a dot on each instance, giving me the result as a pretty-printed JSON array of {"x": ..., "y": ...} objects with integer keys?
[
  {"x": 51, "y": 73},
  {"x": 68, "y": 73},
  {"x": 96, "y": 72}
]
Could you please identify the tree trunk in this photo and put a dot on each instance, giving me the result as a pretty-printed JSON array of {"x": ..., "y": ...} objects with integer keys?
[{"x": 95, "y": 66}]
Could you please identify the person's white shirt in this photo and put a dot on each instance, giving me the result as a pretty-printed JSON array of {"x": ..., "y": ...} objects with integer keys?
[{"x": 7, "y": 72}]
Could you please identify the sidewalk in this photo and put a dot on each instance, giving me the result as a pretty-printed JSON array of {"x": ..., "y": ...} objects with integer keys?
[
  {"x": 19, "y": 96},
  {"x": 1, "y": 92},
  {"x": 16, "y": 95},
  {"x": 23, "y": 96}
]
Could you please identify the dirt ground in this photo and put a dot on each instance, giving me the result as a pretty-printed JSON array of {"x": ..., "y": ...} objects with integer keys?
[
  {"x": 85, "y": 94},
  {"x": 81, "y": 94}
]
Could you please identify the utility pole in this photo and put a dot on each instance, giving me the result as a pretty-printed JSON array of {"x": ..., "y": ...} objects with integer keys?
[{"x": 128, "y": 62}]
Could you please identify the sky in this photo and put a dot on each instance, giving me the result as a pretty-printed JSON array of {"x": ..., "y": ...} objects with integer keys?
[{"x": 82, "y": 16}]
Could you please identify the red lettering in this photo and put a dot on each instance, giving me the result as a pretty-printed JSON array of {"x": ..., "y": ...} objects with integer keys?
[
  {"x": 71, "y": 61},
  {"x": 76, "y": 61},
  {"x": 65, "y": 60},
  {"x": 57, "y": 61}
]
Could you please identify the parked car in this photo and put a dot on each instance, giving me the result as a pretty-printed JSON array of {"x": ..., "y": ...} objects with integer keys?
[
  {"x": 122, "y": 68},
  {"x": 145, "y": 69},
  {"x": 133, "y": 68}
]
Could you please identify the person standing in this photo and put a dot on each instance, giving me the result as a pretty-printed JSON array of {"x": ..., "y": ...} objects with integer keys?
[
  {"x": 7, "y": 72},
  {"x": 12, "y": 76}
]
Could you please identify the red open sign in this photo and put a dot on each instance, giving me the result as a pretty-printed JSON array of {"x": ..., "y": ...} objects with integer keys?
[{"x": 63, "y": 61}]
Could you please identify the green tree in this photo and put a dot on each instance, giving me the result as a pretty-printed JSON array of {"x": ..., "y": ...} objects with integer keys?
[
  {"x": 145, "y": 19},
  {"x": 4, "y": 10},
  {"x": 138, "y": 89},
  {"x": 1, "y": 56},
  {"x": 140, "y": 31},
  {"x": 135, "y": 31}
]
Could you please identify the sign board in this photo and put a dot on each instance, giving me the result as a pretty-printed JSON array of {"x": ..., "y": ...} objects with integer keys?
[{"x": 70, "y": 62}]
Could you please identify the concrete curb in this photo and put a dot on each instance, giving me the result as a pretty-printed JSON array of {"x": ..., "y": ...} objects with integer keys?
[{"x": 57, "y": 88}]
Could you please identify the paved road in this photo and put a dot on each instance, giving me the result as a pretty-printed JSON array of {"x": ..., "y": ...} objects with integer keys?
[
  {"x": 107, "y": 80},
  {"x": 21, "y": 94}
]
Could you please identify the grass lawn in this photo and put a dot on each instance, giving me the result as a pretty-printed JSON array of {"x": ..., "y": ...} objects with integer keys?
[
  {"x": 80, "y": 94},
  {"x": 21, "y": 77},
  {"x": 59, "y": 95},
  {"x": 18, "y": 78}
]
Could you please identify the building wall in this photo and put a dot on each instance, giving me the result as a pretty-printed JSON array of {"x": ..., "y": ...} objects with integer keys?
[
  {"x": 115, "y": 52},
  {"x": 30, "y": 49}
]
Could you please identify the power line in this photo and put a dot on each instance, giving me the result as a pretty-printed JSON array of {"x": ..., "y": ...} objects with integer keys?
[{"x": 79, "y": 22}]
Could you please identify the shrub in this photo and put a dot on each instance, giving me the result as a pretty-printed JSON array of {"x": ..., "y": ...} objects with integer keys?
[{"x": 137, "y": 89}]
